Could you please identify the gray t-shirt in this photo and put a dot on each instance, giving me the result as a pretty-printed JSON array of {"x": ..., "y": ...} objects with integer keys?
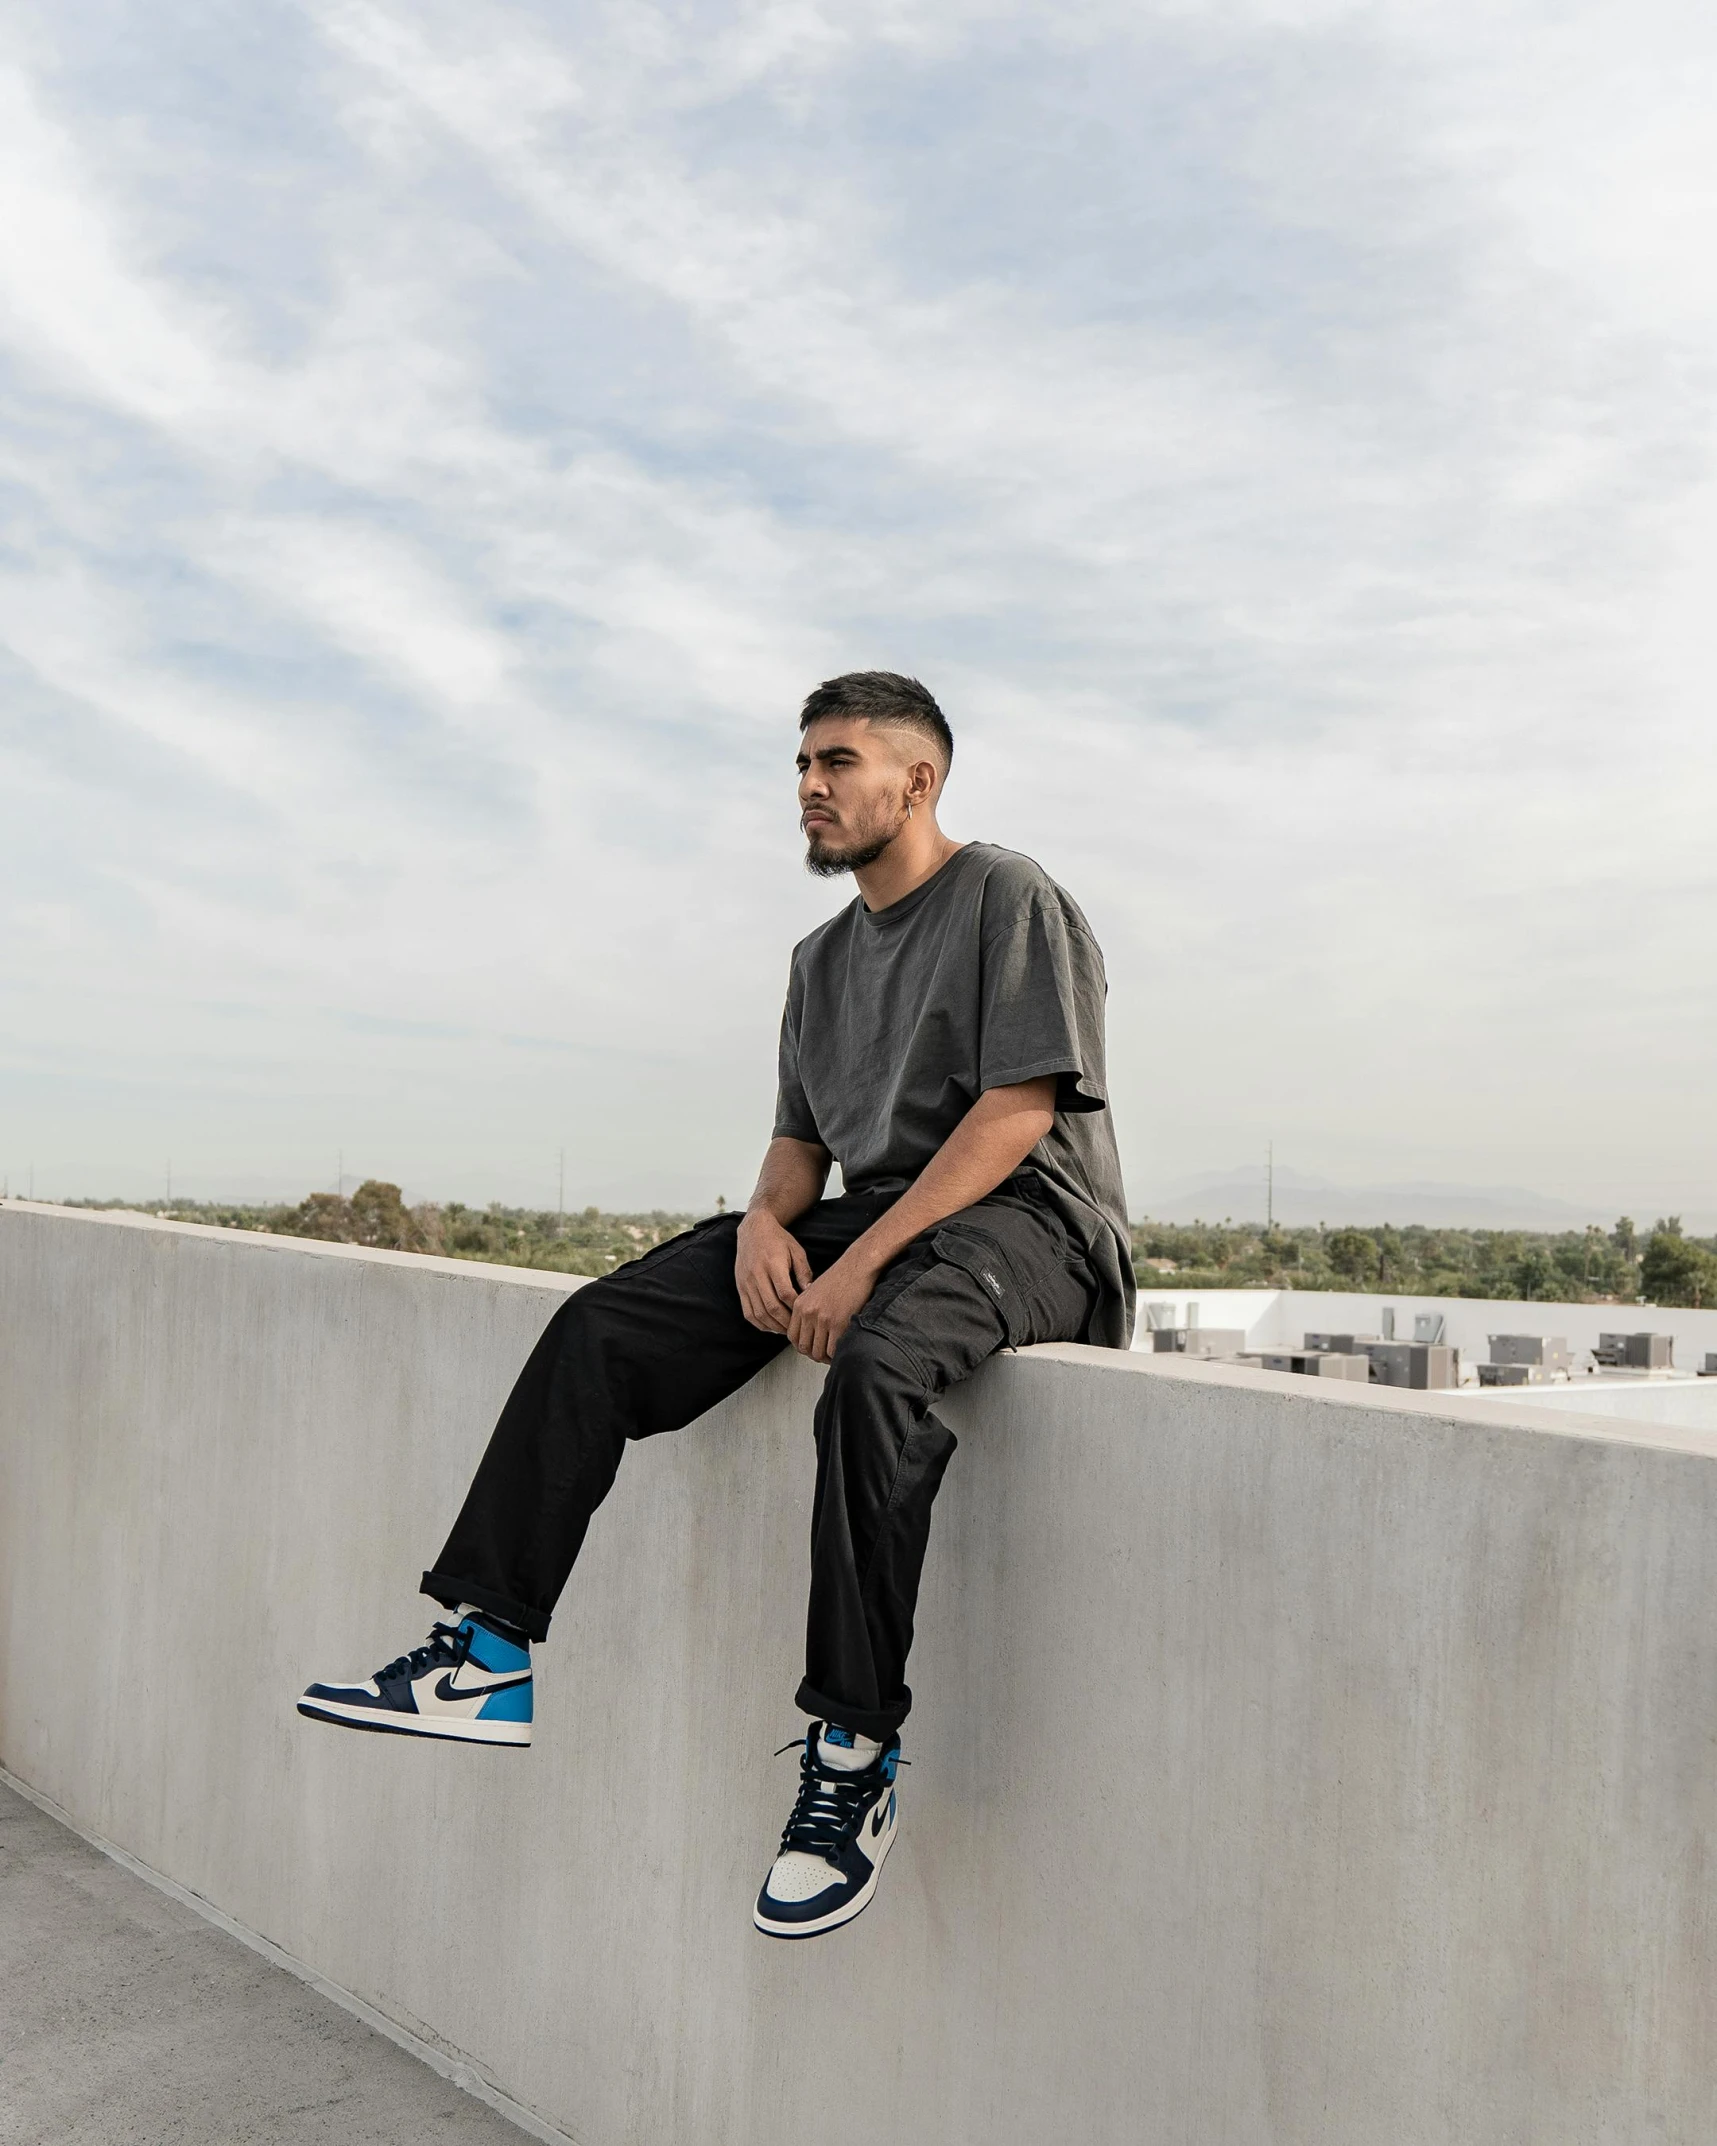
[{"x": 898, "y": 1019}]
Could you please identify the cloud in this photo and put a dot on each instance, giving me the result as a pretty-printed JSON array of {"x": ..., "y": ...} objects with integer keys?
[{"x": 439, "y": 445}]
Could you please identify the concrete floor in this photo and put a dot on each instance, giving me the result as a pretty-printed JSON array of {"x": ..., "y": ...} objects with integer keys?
[{"x": 126, "y": 2018}]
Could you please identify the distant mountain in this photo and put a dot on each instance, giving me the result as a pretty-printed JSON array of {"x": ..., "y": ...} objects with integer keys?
[{"x": 1302, "y": 1201}]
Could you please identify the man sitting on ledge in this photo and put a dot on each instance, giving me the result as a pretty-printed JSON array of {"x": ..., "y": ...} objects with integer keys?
[{"x": 942, "y": 1042}]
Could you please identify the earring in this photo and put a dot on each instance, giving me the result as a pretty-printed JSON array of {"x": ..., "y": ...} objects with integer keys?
[{"x": 909, "y": 812}]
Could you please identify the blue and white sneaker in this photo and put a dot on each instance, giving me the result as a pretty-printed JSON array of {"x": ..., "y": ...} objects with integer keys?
[
  {"x": 842, "y": 1827},
  {"x": 468, "y": 1682}
]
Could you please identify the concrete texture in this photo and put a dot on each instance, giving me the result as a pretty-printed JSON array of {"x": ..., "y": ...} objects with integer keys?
[
  {"x": 1296, "y": 1764},
  {"x": 126, "y": 2020}
]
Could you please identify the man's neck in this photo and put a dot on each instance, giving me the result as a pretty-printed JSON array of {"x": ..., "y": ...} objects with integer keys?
[{"x": 916, "y": 854}]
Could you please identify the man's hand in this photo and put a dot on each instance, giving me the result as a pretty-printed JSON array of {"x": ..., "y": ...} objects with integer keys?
[
  {"x": 830, "y": 1305},
  {"x": 775, "y": 1286},
  {"x": 771, "y": 1269}
]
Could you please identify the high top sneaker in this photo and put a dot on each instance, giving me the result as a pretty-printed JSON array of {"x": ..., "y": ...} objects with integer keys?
[
  {"x": 469, "y": 1682},
  {"x": 843, "y": 1825}
]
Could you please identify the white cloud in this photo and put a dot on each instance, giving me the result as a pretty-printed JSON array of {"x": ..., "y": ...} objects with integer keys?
[
  {"x": 1281, "y": 432},
  {"x": 69, "y": 300}
]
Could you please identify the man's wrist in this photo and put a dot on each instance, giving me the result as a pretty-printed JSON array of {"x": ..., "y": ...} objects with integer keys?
[{"x": 868, "y": 1256}]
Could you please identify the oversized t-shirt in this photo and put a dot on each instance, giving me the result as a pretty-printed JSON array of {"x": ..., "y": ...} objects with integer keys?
[{"x": 898, "y": 1019}]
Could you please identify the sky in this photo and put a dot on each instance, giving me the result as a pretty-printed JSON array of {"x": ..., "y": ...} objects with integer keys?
[{"x": 441, "y": 444}]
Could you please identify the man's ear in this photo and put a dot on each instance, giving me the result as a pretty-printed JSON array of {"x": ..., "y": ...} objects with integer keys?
[{"x": 921, "y": 782}]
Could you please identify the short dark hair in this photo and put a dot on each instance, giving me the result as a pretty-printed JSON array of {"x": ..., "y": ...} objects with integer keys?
[{"x": 882, "y": 697}]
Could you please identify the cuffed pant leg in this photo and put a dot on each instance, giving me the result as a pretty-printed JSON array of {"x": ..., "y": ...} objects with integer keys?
[
  {"x": 881, "y": 1456},
  {"x": 550, "y": 1463},
  {"x": 994, "y": 1275}
]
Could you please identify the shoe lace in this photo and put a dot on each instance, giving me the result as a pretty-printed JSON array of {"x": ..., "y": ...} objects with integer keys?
[
  {"x": 829, "y": 1806},
  {"x": 447, "y": 1646}
]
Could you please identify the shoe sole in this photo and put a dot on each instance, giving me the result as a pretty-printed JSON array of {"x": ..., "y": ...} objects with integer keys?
[
  {"x": 509, "y": 1735},
  {"x": 836, "y": 1917}
]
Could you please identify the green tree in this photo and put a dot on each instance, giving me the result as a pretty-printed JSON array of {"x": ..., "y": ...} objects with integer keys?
[
  {"x": 1535, "y": 1274},
  {"x": 322, "y": 1214},
  {"x": 1353, "y": 1254},
  {"x": 1593, "y": 1255},
  {"x": 380, "y": 1217},
  {"x": 1573, "y": 1260},
  {"x": 376, "y": 1214},
  {"x": 1677, "y": 1271}
]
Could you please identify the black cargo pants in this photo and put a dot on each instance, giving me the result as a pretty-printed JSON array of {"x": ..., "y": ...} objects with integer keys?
[{"x": 653, "y": 1345}]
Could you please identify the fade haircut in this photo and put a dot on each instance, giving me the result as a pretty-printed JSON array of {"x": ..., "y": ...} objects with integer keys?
[{"x": 882, "y": 697}]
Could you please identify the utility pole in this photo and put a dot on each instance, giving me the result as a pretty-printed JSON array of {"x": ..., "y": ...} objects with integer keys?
[
  {"x": 169, "y": 1180},
  {"x": 1270, "y": 1186},
  {"x": 340, "y": 1179},
  {"x": 560, "y": 1197}
]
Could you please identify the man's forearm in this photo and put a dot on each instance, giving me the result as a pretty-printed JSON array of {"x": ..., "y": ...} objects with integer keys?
[
  {"x": 792, "y": 1178},
  {"x": 989, "y": 1144}
]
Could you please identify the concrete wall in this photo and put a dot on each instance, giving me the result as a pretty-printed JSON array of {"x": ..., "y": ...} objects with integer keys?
[{"x": 1295, "y": 1764}]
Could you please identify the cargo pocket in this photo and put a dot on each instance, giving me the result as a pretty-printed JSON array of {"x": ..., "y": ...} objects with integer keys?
[{"x": 983, "y": 1259}]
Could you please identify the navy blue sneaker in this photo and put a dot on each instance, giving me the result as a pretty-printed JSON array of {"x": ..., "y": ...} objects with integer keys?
[
  {"x": 469, "y": 1681},
  {"x": 843, "y": 1825}
]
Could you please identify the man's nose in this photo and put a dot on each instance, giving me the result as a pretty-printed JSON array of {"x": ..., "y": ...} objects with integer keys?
[{"x": 812, "y": 784}]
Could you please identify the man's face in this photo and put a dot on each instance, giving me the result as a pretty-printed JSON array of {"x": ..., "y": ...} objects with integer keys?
[{"x": 853, "y": 778}]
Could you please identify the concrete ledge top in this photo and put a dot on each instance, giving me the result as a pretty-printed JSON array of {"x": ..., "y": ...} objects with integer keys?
[
  {"x": 1442, "y": 1407},
  {"x": 1459, "y": 1411},
  {"x": 317, "y": 1247}
]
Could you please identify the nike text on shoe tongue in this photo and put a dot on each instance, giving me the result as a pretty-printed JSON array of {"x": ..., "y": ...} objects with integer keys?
[{"x": 845, "y": 1749}]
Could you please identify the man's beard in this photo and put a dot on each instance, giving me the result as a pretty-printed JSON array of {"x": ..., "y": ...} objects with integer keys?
[{"x": 824, "y": 861}]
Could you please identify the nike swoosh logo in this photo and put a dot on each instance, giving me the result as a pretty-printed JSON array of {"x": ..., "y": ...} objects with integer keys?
[
  {"x": 879, "y": 1817},
  {"x": 447, "y": 1689}
]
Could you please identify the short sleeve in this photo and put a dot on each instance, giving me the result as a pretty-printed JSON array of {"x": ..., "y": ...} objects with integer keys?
[
  {"x": 1042, "y": 1008},
  {"x": 793, "y": 1119}
]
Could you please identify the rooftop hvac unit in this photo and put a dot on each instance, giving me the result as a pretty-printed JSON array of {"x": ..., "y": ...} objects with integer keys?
[
  {"x": 1511, "y": 1375},
  {"x": 1710, "y": 1370},
  {"x": 1310, "y": 1363},
  {"x": 1424, "y": 1365},
  {"x": 1429, "y": 1326},
  {"x": 1549, "y": 1352},
  {"x": 1339, "y": 1344},
  {"x": 1637, "y": 1352},
  {"x": 1197, "y": 1340}
]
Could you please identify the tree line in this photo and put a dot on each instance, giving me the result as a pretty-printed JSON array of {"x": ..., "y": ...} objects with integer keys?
[
  {"x": 1621, "y": 1265},
  {"x": 587, "y": 1242}
]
